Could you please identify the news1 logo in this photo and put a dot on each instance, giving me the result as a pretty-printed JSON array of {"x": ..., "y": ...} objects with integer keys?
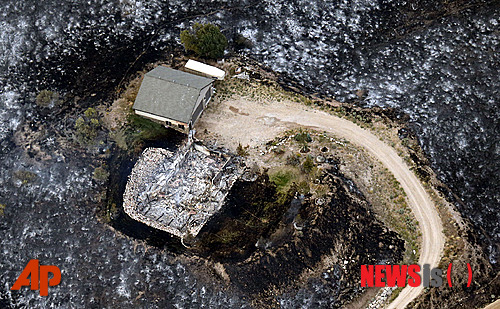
[
  {"x": 400, "y": 275},
  {"x": 39, "y": 277}
]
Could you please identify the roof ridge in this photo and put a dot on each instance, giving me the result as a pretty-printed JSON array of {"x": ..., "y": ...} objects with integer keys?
[
  {"x": 199, "y": 89},
  {"x": 199, "y": 82}
]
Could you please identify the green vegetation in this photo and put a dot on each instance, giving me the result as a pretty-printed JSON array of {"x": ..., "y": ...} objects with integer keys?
[
  {"x": 242, "y": 151},
  {"x": 303, "y": 137},
  {"x": 48, "y": 98},
  {"x": 136, "y": 131},
  {"x": 308, "y": 165},
  {"x": 25, "y": 176},
  {"x": 204, "y": 40},
  {"x": 100, "y": 174},
  {"x": 283, "y": 179},
  {"x": 2, "y": 208},
  {"x": 87, "y": 127},
  {"x": 303, "y": 187},
  {"x": 298, "y": 175},
  {"x": 140, "y": 129}
]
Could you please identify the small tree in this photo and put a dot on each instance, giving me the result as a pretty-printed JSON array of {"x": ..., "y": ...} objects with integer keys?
[
  {"x": 87, "y": 127},
  {"x": 100, "y": 174},
  {"x": 308, "y": 165},
  {"x": 204, "y": 40},
  {"x": 48, "y": 98},
  {"x": 242, "y": 151}
]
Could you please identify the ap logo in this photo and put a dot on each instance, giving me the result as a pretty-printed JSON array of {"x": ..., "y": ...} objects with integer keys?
[{"x": 39, "y": 277}]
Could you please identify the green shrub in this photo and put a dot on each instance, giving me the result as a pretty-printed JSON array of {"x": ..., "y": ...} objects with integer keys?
[
  {"x": 242, "y": 151},
  {"x": 204, "y": 40},
  {"x": 48, "y": 98},
  {"x": 90, "y": 113},
  {"x": 308, "y": 165},
  {"x": 303, "y": 137},
  {"x": 25, "y": 176},
  {"x": 100, "y": 174},
  {"x": 87, "y": 127}
]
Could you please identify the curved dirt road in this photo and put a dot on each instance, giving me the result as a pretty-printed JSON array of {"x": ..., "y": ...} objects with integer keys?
[{"x": 252, "y": 123}]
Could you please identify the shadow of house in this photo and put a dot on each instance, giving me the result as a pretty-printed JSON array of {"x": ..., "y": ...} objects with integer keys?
[{"x": 174, "y": 98}]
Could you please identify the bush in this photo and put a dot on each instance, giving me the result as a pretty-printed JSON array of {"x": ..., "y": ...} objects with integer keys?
[
  {"x": 204, "y": 40},
  {"x": 87, "y": 127},
  {"x": 100, "y": 174},
  {"x": 308, "y": 165},
  {"x": 303, "y": 137},
  {"x": 25, "y": 176},
  {"x": 47, "y": 98},
  {"x": 242, "y": 151}
]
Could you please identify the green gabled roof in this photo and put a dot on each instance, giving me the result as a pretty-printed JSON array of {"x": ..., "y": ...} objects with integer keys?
[{"x": 170, "y": 93}]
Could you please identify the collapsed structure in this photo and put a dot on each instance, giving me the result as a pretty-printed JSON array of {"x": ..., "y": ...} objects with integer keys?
[{"x": 179, "y": 192}]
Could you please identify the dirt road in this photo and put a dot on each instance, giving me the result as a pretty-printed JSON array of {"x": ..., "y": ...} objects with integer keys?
[
  {"x": 252, "y": 123},
  {"x": 494, "y": 305}
]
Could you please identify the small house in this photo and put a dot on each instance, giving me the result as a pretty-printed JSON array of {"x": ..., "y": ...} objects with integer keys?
[{"x": 173, "y": 98}]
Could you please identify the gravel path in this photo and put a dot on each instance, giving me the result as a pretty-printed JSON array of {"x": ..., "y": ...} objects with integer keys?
[{"x": 251, "y": 123}]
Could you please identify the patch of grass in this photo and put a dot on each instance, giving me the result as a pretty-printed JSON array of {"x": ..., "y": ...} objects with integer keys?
[
  {"x": 136, "y": 131},
  {"x": 145, "y": 129},
  {"x": 283, "y": 179},
  {"x": 303, "y": 187},
  {"x": 2, "y": 208}
]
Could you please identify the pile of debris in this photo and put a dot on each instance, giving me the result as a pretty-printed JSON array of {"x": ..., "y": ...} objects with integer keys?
[{"x": 179, "y": 192}]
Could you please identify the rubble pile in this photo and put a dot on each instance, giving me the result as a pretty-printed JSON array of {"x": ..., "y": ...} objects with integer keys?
[{"x": 179, "y": 192}]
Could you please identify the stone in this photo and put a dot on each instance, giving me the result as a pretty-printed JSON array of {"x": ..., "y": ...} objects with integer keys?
[{"x": 320, "y": 159}]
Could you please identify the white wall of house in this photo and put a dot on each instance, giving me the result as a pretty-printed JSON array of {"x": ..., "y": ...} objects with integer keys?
[{"x": 165, "y": 121}]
